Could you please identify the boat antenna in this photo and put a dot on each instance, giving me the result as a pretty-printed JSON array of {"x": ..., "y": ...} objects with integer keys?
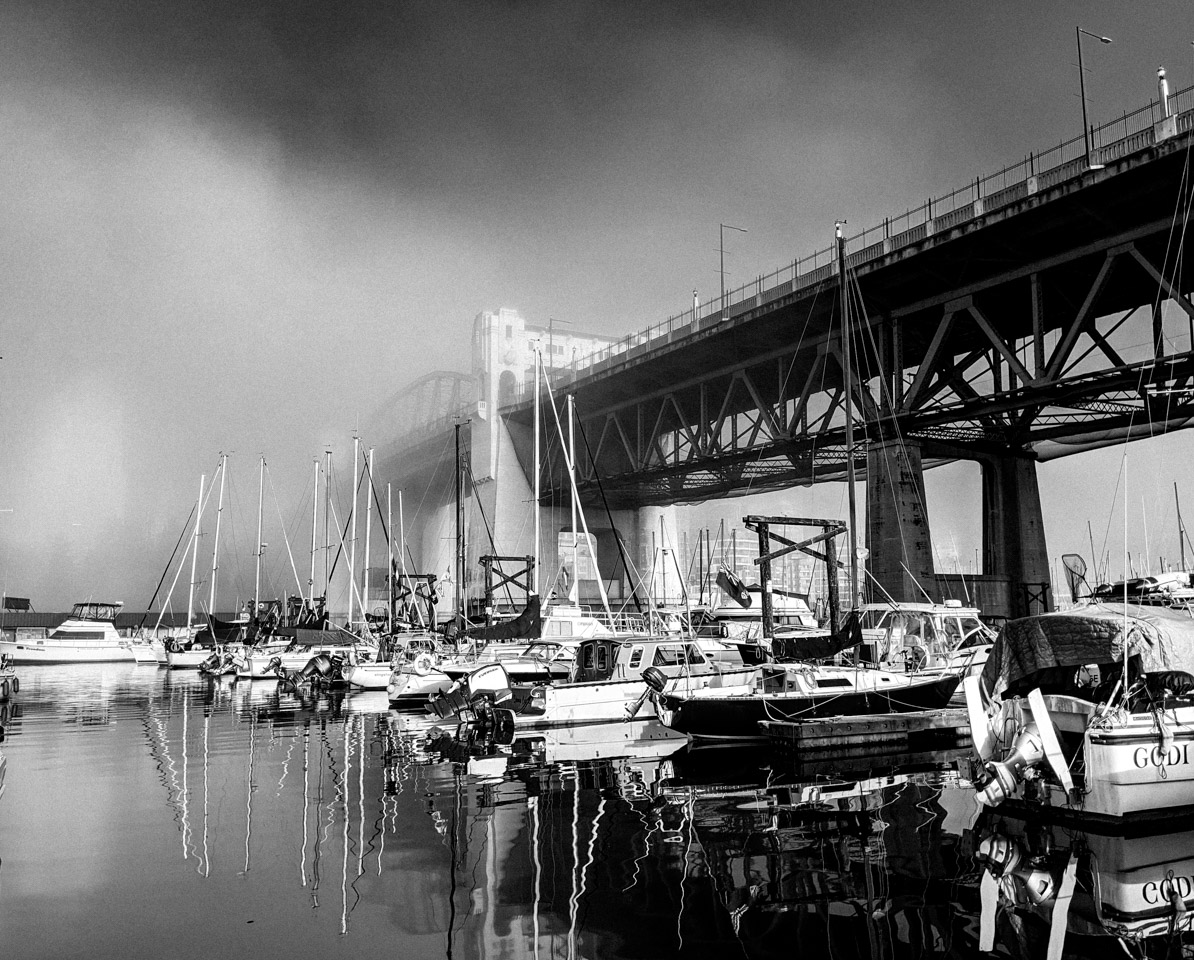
[{"x": 1181, "y": 527}]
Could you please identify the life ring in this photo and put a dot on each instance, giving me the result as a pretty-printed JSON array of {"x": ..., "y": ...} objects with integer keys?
[{"x": 423, "y": 664}]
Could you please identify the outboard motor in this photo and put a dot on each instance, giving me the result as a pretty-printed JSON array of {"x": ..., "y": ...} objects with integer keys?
[{"x": 1006, "y": 775}]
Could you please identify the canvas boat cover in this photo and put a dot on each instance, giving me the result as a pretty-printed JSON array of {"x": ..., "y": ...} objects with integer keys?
[
  {"x": 333, "y": 635},
  {"x": 796, "y": 646},
  {"x": 528, "y": 625},
  {"x": 1162, "y": 638}
]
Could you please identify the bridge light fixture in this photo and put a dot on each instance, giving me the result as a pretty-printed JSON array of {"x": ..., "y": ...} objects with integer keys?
[
  {"x": 1082, "y": 91},
  {"x": 722, "y": 248}
]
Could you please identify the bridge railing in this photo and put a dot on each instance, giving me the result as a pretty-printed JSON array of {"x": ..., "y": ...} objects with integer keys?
[{"x": 1111, "y": 140}]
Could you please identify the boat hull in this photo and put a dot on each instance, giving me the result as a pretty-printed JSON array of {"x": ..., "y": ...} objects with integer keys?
[
  {"x": 737, "y": 716},
  {"x": 610, "y": 701},
  {"x": 369, "y": 676},
  {"x": 23, "y": 651},
  {"x": 406, "y": 687}
]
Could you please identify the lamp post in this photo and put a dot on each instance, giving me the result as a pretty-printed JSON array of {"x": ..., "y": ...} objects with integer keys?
[
  {"x": 1082, "y": 92},
  {"x": 722, "y": 234}
]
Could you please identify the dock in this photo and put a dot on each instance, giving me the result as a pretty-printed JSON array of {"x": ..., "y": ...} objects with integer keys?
[{"x": 871, "y": 734}]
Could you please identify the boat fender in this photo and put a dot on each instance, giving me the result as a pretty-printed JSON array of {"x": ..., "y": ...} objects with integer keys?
[
  {"x": 4, "y": 690},
  {"x": 655, "y": 678},
  {"x": 423, "y": 664},
  {"x": 16, "y": 684}
]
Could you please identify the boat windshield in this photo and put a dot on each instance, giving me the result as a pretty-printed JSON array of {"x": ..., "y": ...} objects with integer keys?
[{"x": 95, "y": 611}]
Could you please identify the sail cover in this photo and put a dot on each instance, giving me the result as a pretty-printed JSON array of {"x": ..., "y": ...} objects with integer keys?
[
  {"x": 817, "y": 646},
  {"x": 528, "y": 625},
  {"x": 1162, "y": 638}
]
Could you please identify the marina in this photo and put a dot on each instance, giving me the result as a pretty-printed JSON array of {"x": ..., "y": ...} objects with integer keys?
[
  {"x": 333, "y": 825},
  {"x": 527, "y": 607}
]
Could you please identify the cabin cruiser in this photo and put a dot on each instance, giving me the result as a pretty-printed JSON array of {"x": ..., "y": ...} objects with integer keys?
[
  {"x": 613, "y": 678},
  {"x": 538, "y": 661},
  {"x": 88, "y": 635},
  {"x": 1088, "y": 715},
  {"x": 945, "y": 637}
]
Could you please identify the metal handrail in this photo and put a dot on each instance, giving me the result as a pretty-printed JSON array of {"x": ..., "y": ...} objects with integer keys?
[
  {"x": 1041, "y": 170},
  {"x": 966, "y": 203}
]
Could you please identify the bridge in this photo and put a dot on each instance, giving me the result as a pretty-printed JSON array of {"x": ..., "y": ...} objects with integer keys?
[{"x": 1034, "y": 313}]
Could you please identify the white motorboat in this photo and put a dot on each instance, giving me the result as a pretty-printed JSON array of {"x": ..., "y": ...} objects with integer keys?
[
  {"x": 88, "y": 635},
  {"x": 613, "y": 678},
  {"x": 1059, "y": 729}
]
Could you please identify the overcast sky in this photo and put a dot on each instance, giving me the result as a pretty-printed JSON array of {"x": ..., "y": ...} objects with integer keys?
[{"x": 242, "y": 226}]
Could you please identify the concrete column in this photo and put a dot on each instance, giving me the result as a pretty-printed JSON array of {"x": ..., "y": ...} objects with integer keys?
[
  {"x": 1014, "y": 532},
  {"x": 901, "y": 549}
]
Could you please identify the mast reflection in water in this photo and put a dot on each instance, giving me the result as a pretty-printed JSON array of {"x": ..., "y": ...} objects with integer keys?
[{"x": 150, "y": 813}]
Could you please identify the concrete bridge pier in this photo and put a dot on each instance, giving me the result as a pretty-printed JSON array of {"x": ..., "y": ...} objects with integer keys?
[
  {"x": 897, "y": 535},
  {"x": 1014, "y": 581},
  {"x": 1014, "y": 533}
]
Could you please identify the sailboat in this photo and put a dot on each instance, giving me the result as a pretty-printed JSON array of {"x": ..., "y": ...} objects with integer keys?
[{"x": 200, "y": 646}]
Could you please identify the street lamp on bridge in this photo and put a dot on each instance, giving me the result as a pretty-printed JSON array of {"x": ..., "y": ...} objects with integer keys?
[
  {"x": 722, "y": 234},
  {"x": 1082, "y": 92}
]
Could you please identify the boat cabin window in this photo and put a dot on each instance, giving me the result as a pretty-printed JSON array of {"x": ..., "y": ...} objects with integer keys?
[
  {"x": 588, "y": 657},
  {"x": 873, "y": 619},
  {"x": 833, "y": 682},
  {"x": 636, "y": 657},
  {"x": 670, "y": 655},
  {"x": 952, "y": 627},
  {"x": 602, "y": 658}
]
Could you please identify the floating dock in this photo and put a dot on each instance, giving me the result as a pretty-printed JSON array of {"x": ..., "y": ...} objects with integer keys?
[{"x": 871, "y": 734}]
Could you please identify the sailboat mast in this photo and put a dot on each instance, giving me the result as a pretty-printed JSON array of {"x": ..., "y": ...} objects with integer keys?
[
  {"x": 389, "y": 562},
  {"x": 574, "y": 586},
  {"x": 195, "y": 554},
  {"x": 849, "y": 404},
  {"x": 215, "y": 550},
  {"x": 314, "y": 524},
  {"x": 352, "y": 550},
  {"x": 327, "y": 511},
  {"x": 260, "y": 545},
  {"x": 368, "y": 531},
  {"x": 459, "y": 577},
  {"x": 535, "y": 472}
]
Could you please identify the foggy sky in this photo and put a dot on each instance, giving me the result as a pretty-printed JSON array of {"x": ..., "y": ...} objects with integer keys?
[{"x": 242, "y": 226}]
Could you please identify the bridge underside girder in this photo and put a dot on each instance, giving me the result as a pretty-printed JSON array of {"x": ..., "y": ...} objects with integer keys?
[{"x": 1037, "y": 330}]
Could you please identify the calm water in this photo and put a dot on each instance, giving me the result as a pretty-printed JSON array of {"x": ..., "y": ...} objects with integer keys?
[{"x": 155, "y": 814}]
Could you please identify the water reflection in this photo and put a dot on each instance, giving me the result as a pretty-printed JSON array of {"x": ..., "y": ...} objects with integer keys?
[{"x": 157, "y": 802}]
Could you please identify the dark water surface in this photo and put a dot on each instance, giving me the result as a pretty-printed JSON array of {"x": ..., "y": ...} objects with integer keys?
[{"x": 157, "y": 814}]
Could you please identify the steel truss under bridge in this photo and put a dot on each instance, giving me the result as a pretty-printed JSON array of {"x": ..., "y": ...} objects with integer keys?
[{"x": 1056, "y": 324}]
